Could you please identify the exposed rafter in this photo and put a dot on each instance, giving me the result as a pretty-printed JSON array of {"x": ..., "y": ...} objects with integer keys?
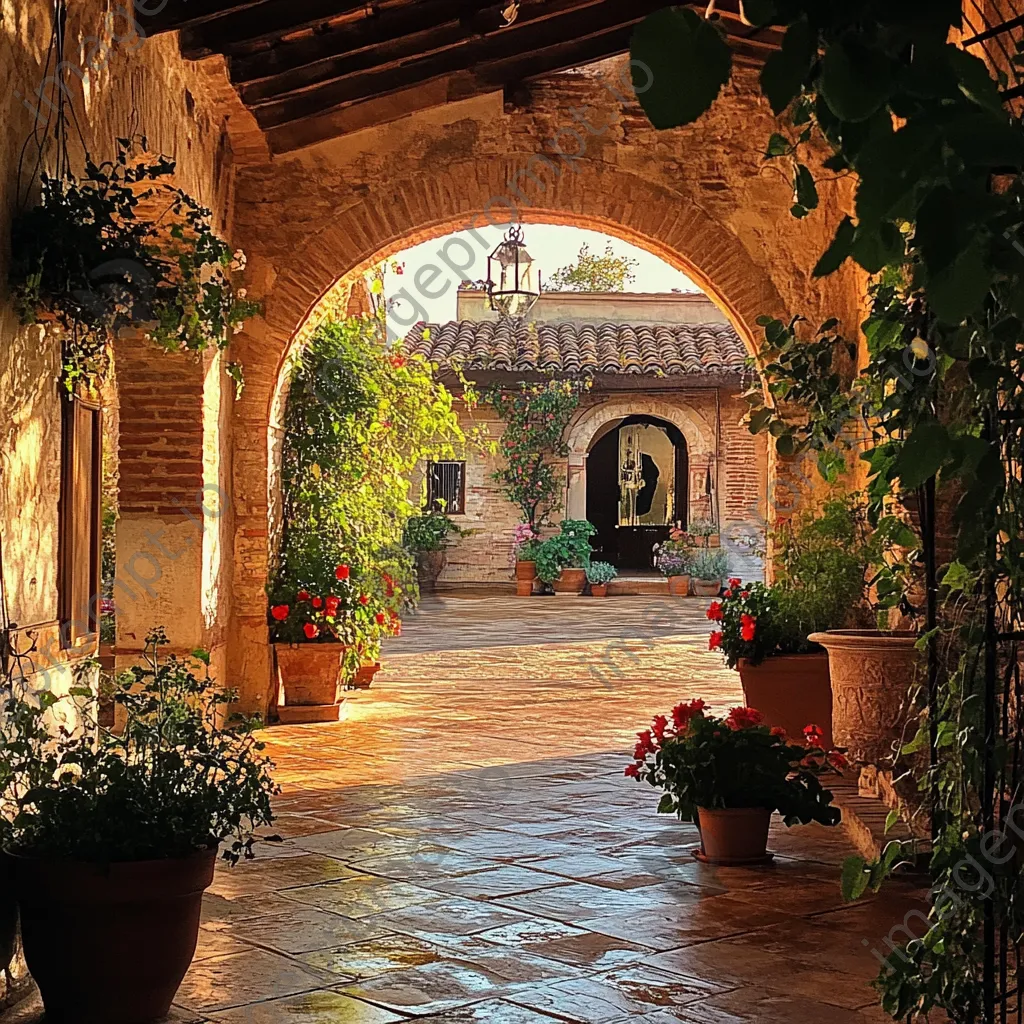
[{"x": 313, "y": 69}]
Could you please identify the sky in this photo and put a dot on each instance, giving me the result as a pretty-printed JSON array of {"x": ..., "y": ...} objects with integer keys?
[{"x": 431, "y": 295}]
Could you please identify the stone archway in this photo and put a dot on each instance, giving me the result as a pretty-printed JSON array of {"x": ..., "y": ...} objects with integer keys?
[
  {"x": 589, "y": 422},
  {"x": 414, "y": 209}
]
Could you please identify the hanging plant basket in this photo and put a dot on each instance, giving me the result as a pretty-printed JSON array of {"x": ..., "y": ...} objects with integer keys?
[{"x": 123, "y": 247}]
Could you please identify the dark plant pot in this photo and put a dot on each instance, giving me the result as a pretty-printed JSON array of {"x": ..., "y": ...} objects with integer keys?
[
  {"x": 598, "y": 589},
  {"x": 679, "y": 586},
  {"x": 791, "y": 691},
  {"x": 309, "y": 673},
  {"x": 526, "y": 570},
  {"x": 571, "y": 581},
  {"x": 524, "y": 588},
  {"x": 734, "y": 835},
  {"x": 706, "y": 588},
  {"x": 110, "y": 944},
  {"x": 429, "y": 566},
  {"x": 872, "y": 675}
]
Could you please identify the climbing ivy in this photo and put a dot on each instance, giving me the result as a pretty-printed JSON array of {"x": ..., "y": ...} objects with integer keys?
[{"x": 875, "y": 91}]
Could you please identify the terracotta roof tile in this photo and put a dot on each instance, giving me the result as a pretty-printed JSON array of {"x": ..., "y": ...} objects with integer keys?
[{"x": 567, "y": 347}]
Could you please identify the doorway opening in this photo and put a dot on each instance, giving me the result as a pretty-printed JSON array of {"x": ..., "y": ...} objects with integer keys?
[{"x": 637, "y": 479}]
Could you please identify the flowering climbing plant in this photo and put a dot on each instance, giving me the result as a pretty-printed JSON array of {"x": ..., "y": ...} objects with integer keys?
[
  {"x": 702, "y": 760},
  {"x": 535, "y": 415}
]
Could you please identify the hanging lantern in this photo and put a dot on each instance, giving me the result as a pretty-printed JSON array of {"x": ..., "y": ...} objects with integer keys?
[{"x": 512, "y": 286}]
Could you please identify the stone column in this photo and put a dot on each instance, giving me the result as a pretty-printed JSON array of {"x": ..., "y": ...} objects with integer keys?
[{"x": 576, "y": 486}]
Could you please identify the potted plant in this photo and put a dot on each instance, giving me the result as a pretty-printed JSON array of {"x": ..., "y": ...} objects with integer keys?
[
  {"x": 729, "y": 775},
  {"x": 325, "y": 628},
  {"x": 705, "y": 531},
  {"x": 674, "y": 558},
  {"x": 707, "y": 570},
  {"x": 123, "y": 247},
  {"x": 569, "y": 550},
  {"x": 599, "y": 575},
  {"x": 111, "y": 839},
  {"x": 426, "y": 536},
  {"x": 525, "y": 545}
]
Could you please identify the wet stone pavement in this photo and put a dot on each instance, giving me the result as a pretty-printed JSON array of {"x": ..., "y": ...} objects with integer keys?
[{"x": 464, "y": 848}]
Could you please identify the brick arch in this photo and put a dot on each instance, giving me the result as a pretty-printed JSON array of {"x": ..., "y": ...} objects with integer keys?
[{"x": 596, "y": 195}]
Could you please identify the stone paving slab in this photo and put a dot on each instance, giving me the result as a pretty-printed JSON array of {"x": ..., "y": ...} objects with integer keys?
[{"x": 464, "y": 848}]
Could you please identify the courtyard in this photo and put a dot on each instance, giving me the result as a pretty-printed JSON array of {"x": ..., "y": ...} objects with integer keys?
[{"x": 464, "y": 847}]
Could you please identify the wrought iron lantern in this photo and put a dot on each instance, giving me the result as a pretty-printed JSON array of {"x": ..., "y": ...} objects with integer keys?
[{"x": 513, "y": 283}]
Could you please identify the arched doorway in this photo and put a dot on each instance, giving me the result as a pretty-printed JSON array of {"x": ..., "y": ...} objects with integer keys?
[{"x": 637, "y": 488}]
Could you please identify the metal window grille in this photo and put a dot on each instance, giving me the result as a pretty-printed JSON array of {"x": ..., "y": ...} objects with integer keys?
[{"x": 446, "y": 487}]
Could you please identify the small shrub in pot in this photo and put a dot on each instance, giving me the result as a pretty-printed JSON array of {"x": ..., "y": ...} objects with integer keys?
[{"x": 599, "y": 575}]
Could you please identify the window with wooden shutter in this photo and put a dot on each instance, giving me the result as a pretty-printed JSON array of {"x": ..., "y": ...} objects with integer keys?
[
  {"x": 446, "y": 487},
  {"x": 80, "y": 523}
]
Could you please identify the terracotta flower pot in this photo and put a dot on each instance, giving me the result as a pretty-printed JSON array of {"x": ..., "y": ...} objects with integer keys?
[
  {"x": 571, "y": 581},
  {"x": 734, "y": 835},
  {"x": 526, "y": 570},
  {"x": 791, "y": 691},
  {"x": 872, "y": 674},
  {"x": 524, "y": 588},
  {"x": 598, "y": 589},
  {"x": 429, "y": 566},
  {"x": 706, "y": 588},
  {"x": 309, "y": 673},
  {"x": 679, "y": 586},
  {"x": 365, "y": 674},
  {"x": 111, "y": 943}
]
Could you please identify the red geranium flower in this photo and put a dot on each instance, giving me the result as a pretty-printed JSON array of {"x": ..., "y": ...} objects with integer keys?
[
  {"x": 715, "y": 611},
  {"x": 311, "y": 631},
  {"x": 318, "y": 602},
  {"x": 280, "y": 612},
  {"x": 332, "y": 604},
  {"x": 735, "y": 582},
  {"x": 646, "y": 743},
  {"x": 744, "y": 594},
  {"x": 380, "y": 618},
  {"x": 727, "y": 594},
  {"x": 364, "y": 598},
  {"x": 682, "y": 713},
  {"x": 744, "y": 718},
  {"x": 659, "y": 726},
  {"x": 837, "y": 760},
  {"x": 715, "y": 640},
  {"x": 302, "y": 595},
  {"x": 632, "y": 771},
  {"x": 777, "y": 730},
  {"x": 747, "y": 632},
  {"x": 814, "y": 735},
  {"x": 342, "y": 572}
]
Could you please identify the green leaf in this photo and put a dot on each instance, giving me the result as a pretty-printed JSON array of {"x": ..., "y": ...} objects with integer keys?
[
  {"x": 959, "y": 578},
  {"x": 666, "y": 805},
  {"x": 875, "y": 248},
  {"x": 200, "y": 655},
  {"x": 855, "y": 80},
  {"x": 960, "y": 289},
  {"x": 805, "y": 189},
  {"x": 838, "y": 252},
  {"x": 922, "y": 455},
  {"x": 785, "y": 70},
  {"x": 80, "y": 691},
  {"x": 760, "y": 419},
  {"x": 975, "y": 81},
  {"x": 855, "y": 878},
  {"x": 778, "y": 145},
  {"x": 680, "y": 64},
  {"x": 891, "y": 819}
]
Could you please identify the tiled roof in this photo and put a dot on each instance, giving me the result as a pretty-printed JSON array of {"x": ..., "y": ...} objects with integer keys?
[{"x": 566, "y": 347}]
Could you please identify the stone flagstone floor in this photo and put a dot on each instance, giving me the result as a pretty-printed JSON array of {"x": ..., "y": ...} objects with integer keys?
[{"x": 464, "y": 848}]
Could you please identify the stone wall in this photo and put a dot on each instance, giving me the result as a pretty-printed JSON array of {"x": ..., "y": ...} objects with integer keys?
[{"x": 118, "y": 83}]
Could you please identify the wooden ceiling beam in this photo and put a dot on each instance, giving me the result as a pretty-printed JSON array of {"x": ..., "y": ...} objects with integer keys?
[
  {"x": 271, "y": 21},
  {"x": 421, "y": 45},
  {"x": 575, "y": 27}
]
